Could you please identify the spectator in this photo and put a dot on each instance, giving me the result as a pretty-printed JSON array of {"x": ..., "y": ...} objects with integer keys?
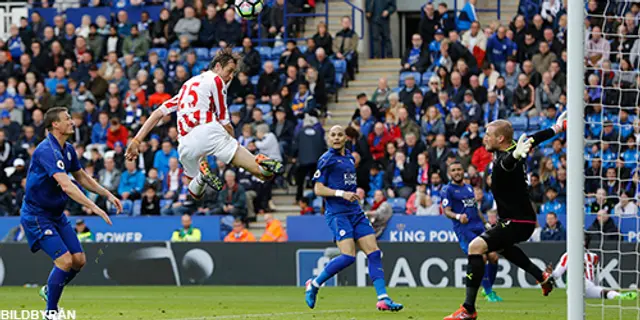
[
  {"x": 438, "y": 153},
  {"x": 536, "y": 189},
  {"x": 543, "y": 59},
  {"x": 229, "y": 33},
  {"x": 380, "y": 213},
  {"x": 400, "y": 179},
  {"x": 479, "y": 92},
  {"x": 309, "y": 144},
  {"x": 317, "y": 87},
  {"x": 410, "y": 88},
  {"x": 268, "y": 83},
  {"x": 376, "y": 179},
  {"x": 135, "y": 44},
  {"x": 524, "y": 96},
  {"x": 232, "y": 198},
  {"x": 109, "y": 177},
  {"x": 553, "y": 204},
  {"x": 626, "y": 207},
  {"x": 447, "y": 17},
  {"x": 267, "y": 142},
  {"x": 476, "y": 42},
  {"x": 417, "y": 106},
  {"x": 489, "y": 77},
  {"x": 467, "y": 16},
  {"x": 239, "y": 233},
  {"x": 547, "y": 94},
  {"x": 377, "y": 141},
  {"x": 182, "y": 200},
  {"x": 366, "y": 121},
  {"x": 455, "y": 126},
  {"x": 429, "y": 23},
  {"x": 305, "y": 208},
  {"x": 100, "y": 129},
  {"x": 276, "y": 19},
  {"x": 406, "y": 124},
  {"x": 603, "y": 228},
  {"x": 493, "y": 110},
  {"x": 116, "y": 133},
  {"x": 188, "y": 26},
  {"x": 161, "y": 158},
  {"x": 597, "y": 48},
  {"x": 528, "y": 48},
  {"x": 159, "y": 97},
  {"x": 345, "y": 45},
  {"x": 326, "y": 70},
  {"x": 274, "y": 232},
  {"x": 470, "y": 108},
  {"x": 150, "y": 202},
  {"x": 423, "y": 168},
  {"x": 208, "y": 26},
  {"x": 188, "y": 233},
  {"x": 303, "y": 101},
  {"x": 553, "y": 229},
  {"x": 162, "y": 32},
  {"x": 323, "y": 39},
  {"x": 499, "y": 48},
  {"x": 83, "y": 232},
  {"x": 550, "y": 9},
  {"x": 378, "y": 12},
  {"x": 412, "y": 148},
  {"x": 290, "y": 56},
  {"x": 131, "y": 182},
  {"x": 251, "y": 63},
  {"x": 381, "y": 95},
  {"x": 457, "y": 89},
  {"x": 421, "y": 204}
]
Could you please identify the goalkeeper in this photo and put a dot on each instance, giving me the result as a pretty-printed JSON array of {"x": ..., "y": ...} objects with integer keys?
[{"x": 518, "y": 218}]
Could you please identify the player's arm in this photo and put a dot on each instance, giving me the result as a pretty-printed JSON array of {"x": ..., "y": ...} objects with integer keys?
[
  {"x": 448, "y": 212},
  {"x": 92, "y": 185},
  {"x": 521, "y": 149},
  {"x": 561, "y": 268},
  {"x": 78, "y": 196},
  {"x": 166, "y": 108},
  {"x": 323, "y": 191}
]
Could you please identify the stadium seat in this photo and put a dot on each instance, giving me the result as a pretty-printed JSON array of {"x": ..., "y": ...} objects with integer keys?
[
  {"x": 276, "y": 63},
  {"x": 202, "y": 54},
  {"x": 519, "y": 124},
  {"x": 237, "y": 49},
  {"x": 137, "y": 207},
  {"x": 317, "y": 204},
  {"x": 404, "y": 75},
  {"x": 254, "y": 80},
  {"x": 235, "y": 108},
  {"x": 265, "y": 107},
  {"x": 265, "y": 52},
  {"x": 74, "y": 15},
  {"x": 302, "y": 48},
  {"x": 213, "y": 51},
  {"x": 424, "y": 89},
  {"x": 165, "y": 202},
  {"x": 425, "y": 78},
  {"x": 276, "y": 52},
  {"x": 534, "y": 123},
  {"x": 399, "y": 205},
  {"x": 397, "y": 90},
  {"x": 162, "y": 53}
]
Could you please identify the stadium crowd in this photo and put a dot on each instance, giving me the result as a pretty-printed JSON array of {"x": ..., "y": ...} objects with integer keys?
[{"x": 456, "y": 76}]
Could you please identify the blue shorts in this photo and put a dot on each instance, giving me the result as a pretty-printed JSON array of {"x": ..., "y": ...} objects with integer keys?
[
  {"x": 466, "y": 235},
  {"x": 345, "y": 226},
  {"x": 55, "y": 236}
]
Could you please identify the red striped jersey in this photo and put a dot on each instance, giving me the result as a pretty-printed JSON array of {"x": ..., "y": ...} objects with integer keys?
[
  {"x": 591, "y": 261},
  {"x": 201, "y": 100}
]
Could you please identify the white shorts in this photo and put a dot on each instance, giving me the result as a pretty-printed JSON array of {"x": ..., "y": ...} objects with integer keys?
[
  {"x": 203, "y": 140},
  {"x": 591, "y": 290}
]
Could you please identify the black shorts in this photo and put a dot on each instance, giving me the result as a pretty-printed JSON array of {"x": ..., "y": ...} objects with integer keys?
[{"x": 507, "y": 233}]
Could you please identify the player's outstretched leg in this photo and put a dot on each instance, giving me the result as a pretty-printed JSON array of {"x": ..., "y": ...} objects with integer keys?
[
  {"x": 615, "y": 295},
  {"x": 259, "y": 166},
  {"x": 332, "y": 268},
  {"x": 197, "y": 185},
  {"x": 369, "y": 245},
  {"x": 520, "y": 259},
  {"x": 490, "y": 271}
]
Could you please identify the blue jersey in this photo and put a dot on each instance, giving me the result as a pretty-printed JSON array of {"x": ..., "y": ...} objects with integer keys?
[
  {"x": 461, "y": 200},
  {"x": 338, "y": 172},
  {"x": 43, "y": 195}
]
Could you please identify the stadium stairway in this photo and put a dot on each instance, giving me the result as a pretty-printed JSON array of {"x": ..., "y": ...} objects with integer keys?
[
  {"x": 284, "y": 201},
  {"x": 508, "y": 10}
]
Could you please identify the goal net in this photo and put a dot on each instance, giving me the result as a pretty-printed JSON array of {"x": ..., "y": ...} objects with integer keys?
[{"x": 611, "y": 154}]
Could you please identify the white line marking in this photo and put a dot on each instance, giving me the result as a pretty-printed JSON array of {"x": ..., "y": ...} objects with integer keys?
[{"x": 263, "y": 315}]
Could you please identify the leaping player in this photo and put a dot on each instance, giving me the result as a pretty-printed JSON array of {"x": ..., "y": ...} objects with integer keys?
[
  {"x": 335, "y": 180},
  {"x": 592, "y": 290},
  {"x": 204, "y": 128}
]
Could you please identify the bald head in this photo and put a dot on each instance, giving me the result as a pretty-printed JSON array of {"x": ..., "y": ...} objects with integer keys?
[{"x": 337, "y": 138}]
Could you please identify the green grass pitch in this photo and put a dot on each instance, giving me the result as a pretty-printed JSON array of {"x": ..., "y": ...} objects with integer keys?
[{"x": 280, "y": 303}]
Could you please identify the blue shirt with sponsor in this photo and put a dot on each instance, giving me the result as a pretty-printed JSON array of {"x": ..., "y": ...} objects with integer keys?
[
  {"x": 338, "y": 172},
  {"x": 461, "y": 200},
  {"x": 43, "y": 195}
]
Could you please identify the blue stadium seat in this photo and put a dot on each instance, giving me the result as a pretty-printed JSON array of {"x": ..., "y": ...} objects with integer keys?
[
  {"x": 534, "y": 123},
  {"x": 276, "y": 52},
  {"x": 302, "y": 48},
  {"x": 369, "y": 200},
  {"x": 265, "y": 52},
  {"x": 202, "y": 54},
  {"x": 519, "y": 124},
  {"x": 134, "y": 12},
  {"x": 424, "y": 89},
  {"x": 165, "y": 202},
  {"x": 404, "y": 75},
  {"x": 341, "y": 70},
  {"x": 339, "y": 79},
  {"x": 265, "y": 107},
  {"x": 137, "y": 207},
  {"x": 399, "y": 205},
  {"x": 47, "y": 14},
  {"x": 254, "y": 80},
  {"x": 268, "y": 119},
  {"x": 425, "y": 77},
  {"x": 397, "y": 90},
  {"x": 162, "y": 53},
  {"x": 74, "y": 15},
  {"x": 213, "y": 51},
  {"x": 235, "y": 107},
  {"x": 276, "y": 63},
  {"x": 317, "y": 204},
  {"x": 237, "y": 49}
]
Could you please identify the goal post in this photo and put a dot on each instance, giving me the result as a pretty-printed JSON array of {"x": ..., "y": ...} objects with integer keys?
[{"x": 575, "y": 160}]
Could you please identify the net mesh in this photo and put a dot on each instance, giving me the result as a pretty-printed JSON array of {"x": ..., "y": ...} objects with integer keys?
[{"x": 612, "y": 132}]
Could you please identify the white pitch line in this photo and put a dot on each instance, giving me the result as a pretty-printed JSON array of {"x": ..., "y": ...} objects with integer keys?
[{"x": 262, "y": 315}]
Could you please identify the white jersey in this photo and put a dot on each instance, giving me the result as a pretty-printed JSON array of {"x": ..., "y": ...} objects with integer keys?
[
  {"x": 591, "y": 262},
  {"x": 201, "y": 100}
]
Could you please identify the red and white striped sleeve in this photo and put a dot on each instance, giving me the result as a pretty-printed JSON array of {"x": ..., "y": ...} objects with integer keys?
[
  {"x": 170, "y": 105},
  {"x": 219, "y": 94},
  {"x": 561, "y": 268}
]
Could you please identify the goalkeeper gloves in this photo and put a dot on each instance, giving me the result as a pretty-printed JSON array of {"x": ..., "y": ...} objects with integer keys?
[
  {"x": 523, "y": 147},
  {"x": 561, "y": 123}
]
